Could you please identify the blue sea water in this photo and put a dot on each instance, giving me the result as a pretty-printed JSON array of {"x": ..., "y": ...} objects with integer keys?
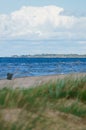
[{"x": 22, "y": 67}]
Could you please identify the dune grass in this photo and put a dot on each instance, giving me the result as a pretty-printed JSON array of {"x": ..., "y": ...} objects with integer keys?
[{"x": 66, "y": 95}]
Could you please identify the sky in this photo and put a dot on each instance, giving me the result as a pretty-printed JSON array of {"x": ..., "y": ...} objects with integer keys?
[{"x": 42, "y": 27}]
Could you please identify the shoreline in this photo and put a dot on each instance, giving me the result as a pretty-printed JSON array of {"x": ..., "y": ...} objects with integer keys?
[{"x": 30, "y": 81}]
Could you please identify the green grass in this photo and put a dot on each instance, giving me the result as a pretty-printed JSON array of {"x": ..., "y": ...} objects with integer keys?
[{"x": 66, "y": 95}]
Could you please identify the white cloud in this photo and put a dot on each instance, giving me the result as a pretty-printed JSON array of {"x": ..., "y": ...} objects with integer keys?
[{"x": 41, "y": 23}]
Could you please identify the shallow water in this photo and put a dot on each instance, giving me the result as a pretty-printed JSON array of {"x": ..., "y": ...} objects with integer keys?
[{"x": 21, "y": 67}]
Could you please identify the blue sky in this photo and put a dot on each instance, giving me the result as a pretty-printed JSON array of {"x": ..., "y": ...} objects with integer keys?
[
  {"x": 7, "y": 6},
  {"x": 42, "y": 26}
]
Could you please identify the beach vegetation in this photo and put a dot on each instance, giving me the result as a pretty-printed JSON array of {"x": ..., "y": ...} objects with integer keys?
[{"x": 45, "y": 107}]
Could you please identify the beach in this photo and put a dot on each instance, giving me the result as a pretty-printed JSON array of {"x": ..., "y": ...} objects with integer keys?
[
  {"x": 52, "y": 102},
  {"x": 27, "y": 82}
]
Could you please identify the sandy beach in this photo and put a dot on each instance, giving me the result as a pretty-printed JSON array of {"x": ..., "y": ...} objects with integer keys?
[{"x": 27, "y": 82}]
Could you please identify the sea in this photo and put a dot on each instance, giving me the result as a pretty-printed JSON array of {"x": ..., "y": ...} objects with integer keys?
[{"x": 23, "y": 67}]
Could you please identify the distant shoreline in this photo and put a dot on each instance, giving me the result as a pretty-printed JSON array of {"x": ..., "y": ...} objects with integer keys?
[
  {"x": 48, "y": 56},
  {"x": 41, "y": 57}
]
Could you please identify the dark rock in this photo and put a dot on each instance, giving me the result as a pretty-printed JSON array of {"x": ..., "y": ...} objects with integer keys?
[{"x": 9, "y": 76}]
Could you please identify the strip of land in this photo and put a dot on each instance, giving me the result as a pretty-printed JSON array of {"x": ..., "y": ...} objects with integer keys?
[{"x": 27, "y": 82}]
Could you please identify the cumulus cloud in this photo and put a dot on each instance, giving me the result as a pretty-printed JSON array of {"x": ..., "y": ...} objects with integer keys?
[{"x": 47, "y": 22}]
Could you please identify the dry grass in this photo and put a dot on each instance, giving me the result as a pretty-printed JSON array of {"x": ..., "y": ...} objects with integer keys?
[{"x": 48, "y": 120}]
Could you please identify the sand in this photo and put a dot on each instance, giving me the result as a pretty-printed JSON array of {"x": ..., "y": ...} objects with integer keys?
[{"x": 27, "y": 82}]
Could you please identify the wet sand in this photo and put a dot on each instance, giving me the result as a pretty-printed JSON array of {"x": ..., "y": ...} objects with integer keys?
[{"x": 27, "y": 82}]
